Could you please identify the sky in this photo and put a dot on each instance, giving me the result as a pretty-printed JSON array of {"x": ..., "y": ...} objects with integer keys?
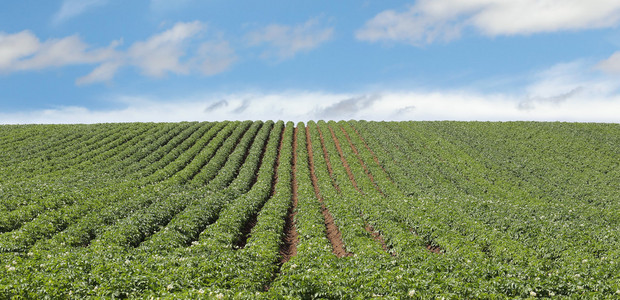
[{"x": 93, "y": 61}]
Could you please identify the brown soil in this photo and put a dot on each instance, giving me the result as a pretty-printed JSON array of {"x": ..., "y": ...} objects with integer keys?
[
  {"x": 374, "y": 155},
  {"x": 275, "y": 173},
  {"x": 372, "y": 178},
  {"x": 344, "y": 161},
  {"x": 434, "y": 249},
  {"x": 377, "y": 237},
  {"x": 368, "y": 227},
  {"x": 245, "y": 232},
  {"x": 331, "y": 229},
  {"x": 247, "y": 228},
  {"x": 429, "y": 247},
  {"x": 329, "y": 165},
  {"x": 289, "y": 247}
]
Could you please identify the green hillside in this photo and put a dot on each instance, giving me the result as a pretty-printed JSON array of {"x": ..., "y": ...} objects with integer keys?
[{"x": 354, "y": 209}]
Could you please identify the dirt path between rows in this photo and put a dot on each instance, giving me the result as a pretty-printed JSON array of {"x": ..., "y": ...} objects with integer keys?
[
  {"x": 374, "y": 155},
  {"x": 343, "y": 160},
  {"x": 359, "y": 157},
  {"x": 291, "y": 238},
  {"x": 376, "y": 235},
  {"x": 247, "y": 228},
  {"x": 331, "y": 229},
  {"x": 329, "y": 165}
]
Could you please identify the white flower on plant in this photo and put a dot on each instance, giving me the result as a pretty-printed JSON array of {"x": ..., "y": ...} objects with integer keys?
[
  {"x": 201, "y": 291},
  {"x": 532, "y": 293},
  {"x": 411, "y": 293},
  {"x": 219, "y": 296},
  {"x": 11, "y": 268},
  {"x": 127, "y": 261},
  {"x": 170, "y": 286}
]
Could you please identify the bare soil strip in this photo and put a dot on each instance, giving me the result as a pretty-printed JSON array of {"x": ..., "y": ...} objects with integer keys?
[
  {"x": 329, "y": 165},
  {"x": 245, "y": 232},
  {"x": 377, "y": 237},
  {"x": 429, "y": 247},
  {"x": 367, "y": 226},
  {"x": 247, "y": 228},
  {"x": 331, "y": 229},
  {"x": 344, "y": 161},
  {"x": 434, "y": 249},
  {"x": 374, "y": 155},
  {"x": 289, "y": 247},
  {"x": 372, "y": 178},
  {"x": 275, "y": 171}
]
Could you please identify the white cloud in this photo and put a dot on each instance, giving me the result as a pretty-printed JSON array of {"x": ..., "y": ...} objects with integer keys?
[
  {"x": 430, "y": 20},
  {"x": 570, "y": 91},
  {"x": 13, "y": 47},
  {"x": 72, "y": 8},
  {"x": 179, "y": 50},
  {"x": 284, "y": 41},
  {"x": 103, "y": 73},
  {"x": 162, "y": 52},
  {"x": 304, "y": 106},
  {"x": 215, "y": 57},
  {"x": 611, "y": 64},
  {"x": 24, "y": 51}
]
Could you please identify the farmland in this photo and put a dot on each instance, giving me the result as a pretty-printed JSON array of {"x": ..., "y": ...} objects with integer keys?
[{"x": 324, "y": 209}]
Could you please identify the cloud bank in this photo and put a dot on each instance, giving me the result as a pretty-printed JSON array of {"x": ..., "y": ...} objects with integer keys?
[
  {"x": 427, "y": 21},
  {"x": 570, "y": 91},
  {"x": 304, "y": 106}
]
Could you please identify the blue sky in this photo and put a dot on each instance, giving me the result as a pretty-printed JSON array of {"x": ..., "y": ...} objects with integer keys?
[{"x": 163, "y": 60}]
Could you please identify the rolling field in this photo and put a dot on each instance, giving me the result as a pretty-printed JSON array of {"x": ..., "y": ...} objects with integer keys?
[{"x": 354, "y": 209}]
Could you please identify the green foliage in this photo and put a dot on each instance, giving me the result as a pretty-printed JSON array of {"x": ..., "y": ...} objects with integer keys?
[{"x": 198, "y": 210}]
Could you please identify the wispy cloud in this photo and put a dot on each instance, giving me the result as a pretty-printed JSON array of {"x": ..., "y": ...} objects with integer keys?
[
  {"x": 348, "y": 107},
  {"x": 216, "y": 105},
  {"x": 162, "y": 52},
  {"x": 304, "y": 106},
  {"x": 571, "y": 91},
  {"x": 610, "y": 65},
  {"x": 73, "y": 8},
  {"x": 24, "y": 51},
  {"x": 430, "y": 20},
  {"x": 181, "y": 49},
  {"x": 284, "y": 41}
]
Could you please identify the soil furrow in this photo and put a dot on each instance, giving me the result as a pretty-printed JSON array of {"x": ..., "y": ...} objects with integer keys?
[
  {"x": 329, "y": 165},
  {"x": 374, "y": 155},
  {"x": 247, "y": 228},
  {"x": 289, "y": 247},
  {"x": 344, "y": 161},
  {"x": 377, "y": 237},
  {"x": 367, "y": 226},
  {"x": 429, "y": 247},
  {"x": 372, "y": 178},
  {"x": 331, "y": 229}
]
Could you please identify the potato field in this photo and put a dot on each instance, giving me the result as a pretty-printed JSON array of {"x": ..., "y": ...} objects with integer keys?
[{"x": 336, "y": 210}]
